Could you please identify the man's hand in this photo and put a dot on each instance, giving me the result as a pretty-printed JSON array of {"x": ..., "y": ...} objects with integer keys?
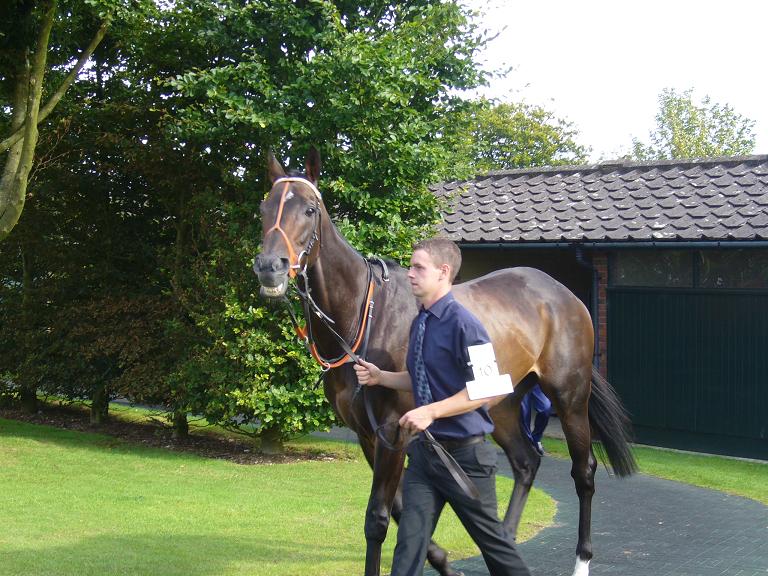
[
  {"x": 417, "y": 420},
  {"x": 367, "y": 374}
]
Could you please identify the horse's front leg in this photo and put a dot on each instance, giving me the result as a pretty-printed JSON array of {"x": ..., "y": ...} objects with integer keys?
[
  {"x": 525, "y": 462},
  {"x": 387, "y": 469}
]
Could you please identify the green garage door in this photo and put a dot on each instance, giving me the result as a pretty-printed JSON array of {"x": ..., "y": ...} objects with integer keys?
[
  {"x": 688, "y": 346},
  {"x": 692, "y": 366}
]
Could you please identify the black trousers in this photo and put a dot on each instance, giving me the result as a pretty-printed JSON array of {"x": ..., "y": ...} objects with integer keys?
[{"x": 428, "y": 486}]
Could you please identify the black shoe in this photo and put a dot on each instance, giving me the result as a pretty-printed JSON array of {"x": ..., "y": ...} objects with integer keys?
[{"x": 539, "y": 448}]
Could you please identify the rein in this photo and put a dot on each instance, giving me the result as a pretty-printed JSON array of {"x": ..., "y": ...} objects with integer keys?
[
  {"x": 454, "y": 468},
  {"x": 351, "y": 354},
  {"x": 360, "y": 340}
]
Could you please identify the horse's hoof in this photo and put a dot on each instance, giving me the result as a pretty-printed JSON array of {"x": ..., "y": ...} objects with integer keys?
[{"x": 581, "y": 568}]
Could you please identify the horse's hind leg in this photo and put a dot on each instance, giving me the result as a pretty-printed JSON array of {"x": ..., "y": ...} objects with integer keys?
[
  {"x": 575, "y": 422},
  {"x": 525, "y": 462}
]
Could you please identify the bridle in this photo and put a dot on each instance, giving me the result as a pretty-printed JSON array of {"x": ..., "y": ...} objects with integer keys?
[
  {"x": 295, "y": 260},
  {"x": 298, "y": 265}
]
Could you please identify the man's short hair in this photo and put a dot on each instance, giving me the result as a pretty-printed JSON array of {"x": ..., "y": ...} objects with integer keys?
[{"x": 442, "y": 251}]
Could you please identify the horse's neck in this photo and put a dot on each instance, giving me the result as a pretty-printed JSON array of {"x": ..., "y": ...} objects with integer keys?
[{"x": 338, "y": 281}]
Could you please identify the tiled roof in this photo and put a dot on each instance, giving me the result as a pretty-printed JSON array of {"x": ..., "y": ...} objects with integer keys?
[{"x": 675, "y": 200}]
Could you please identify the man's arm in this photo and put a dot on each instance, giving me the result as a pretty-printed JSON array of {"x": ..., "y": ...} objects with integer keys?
[
  {"x": 419, "y": 419},
  {"x": 371, "y": 375}
]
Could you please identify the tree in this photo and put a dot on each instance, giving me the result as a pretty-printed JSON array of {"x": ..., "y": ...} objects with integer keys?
[
  {"x": 86, "y": 225},
  {"x": 503, "y": 136},
  {"x": 26, "y": 80},
  {"x": 164, "y": 173},
  {"x": 687, "y": 130},
  {"x": 82, "y": 263},
  {"x": 371, "y": 85}
]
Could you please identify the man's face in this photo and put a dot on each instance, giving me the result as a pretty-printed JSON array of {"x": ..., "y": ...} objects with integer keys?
[{"x": 424, "y": 276}]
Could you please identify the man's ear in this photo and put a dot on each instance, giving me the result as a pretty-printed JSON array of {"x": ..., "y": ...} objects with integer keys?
[
  {"x": 273, "y": 166},
  {"x": 313, "y": 165}
]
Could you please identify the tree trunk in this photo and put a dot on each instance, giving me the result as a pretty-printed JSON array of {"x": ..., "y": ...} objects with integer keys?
[
  {"x": 179, "y": 417},
  {"x": 180, "y": 254},
  {"x": 272, "y": 441},
  {"x": 9, "y": 200},
  {"x": 180, "y": 425},
  {"x": 28, "y": 400},
  {"x": 28, "y": 392},
  {"x": 13, "y": 184},
  {"x": 26, "y": 116},
  {"x": 100, "y": 406}
]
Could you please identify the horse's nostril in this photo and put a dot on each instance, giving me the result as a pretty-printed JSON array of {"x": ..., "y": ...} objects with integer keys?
[
  {"x": 279, "y": 264},
  {"x": 270, "y": 264}
]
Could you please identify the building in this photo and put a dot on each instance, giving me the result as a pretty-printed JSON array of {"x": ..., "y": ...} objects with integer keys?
[{"x": 670, "y": 257}]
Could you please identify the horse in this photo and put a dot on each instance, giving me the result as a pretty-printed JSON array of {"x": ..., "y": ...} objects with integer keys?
[{"x": 541, "y": 333}]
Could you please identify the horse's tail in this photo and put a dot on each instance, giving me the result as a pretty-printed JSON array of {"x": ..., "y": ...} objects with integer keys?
[{"x": 610, "y": 423}]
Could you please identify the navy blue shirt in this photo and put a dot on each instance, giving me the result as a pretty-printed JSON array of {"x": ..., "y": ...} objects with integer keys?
[{"x": 450, "y": 329}]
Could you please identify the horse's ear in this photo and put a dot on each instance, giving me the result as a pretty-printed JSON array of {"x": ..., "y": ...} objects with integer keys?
[
  {"x": 313, "y": 165},
  {"x": 275, "y": 170}
]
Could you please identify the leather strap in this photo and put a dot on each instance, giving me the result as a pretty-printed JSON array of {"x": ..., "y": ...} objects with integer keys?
[
  {"x": 455, "y": 469},
  {"x": 461, "y": 478}
]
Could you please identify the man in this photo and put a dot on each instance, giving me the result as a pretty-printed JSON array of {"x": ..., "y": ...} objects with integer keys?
[
  {"x": 543, "y": 408},
  {"x": 438, "y": 360}
]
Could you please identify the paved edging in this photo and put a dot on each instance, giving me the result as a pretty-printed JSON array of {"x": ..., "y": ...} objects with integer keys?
[
  {"x": 645, "y": 526},
  {"x": 641, "y": 526}
]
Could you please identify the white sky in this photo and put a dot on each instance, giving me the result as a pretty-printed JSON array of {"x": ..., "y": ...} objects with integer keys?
[{"x": 602, "y": 64}]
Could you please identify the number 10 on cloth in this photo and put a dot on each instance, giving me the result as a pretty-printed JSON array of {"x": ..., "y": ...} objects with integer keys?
[{"x": 488, "y": 382}]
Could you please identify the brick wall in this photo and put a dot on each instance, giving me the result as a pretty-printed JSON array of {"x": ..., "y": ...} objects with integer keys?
[{"x": 600, "y": 264}]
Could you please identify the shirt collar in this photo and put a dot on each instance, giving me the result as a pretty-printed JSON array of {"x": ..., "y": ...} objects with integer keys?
[{"x": 438, "y": 308}]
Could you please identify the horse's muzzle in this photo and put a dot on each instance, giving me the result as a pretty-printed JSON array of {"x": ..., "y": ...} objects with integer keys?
[{"x": 272, "y": 272}]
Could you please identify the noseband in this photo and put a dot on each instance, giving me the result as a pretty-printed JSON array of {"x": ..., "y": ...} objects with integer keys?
[{"x": 295, "y": 261}]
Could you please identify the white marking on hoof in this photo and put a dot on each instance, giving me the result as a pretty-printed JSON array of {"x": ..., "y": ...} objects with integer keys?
[{"x": 581, "y": 568}]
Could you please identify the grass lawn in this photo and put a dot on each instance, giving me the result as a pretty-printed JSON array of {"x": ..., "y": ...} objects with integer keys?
[
  {"x": 75, "y": 503},
  {"x": 746, "y": 478}
]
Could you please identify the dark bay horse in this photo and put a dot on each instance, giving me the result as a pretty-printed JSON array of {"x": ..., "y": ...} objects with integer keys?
[{"x": 540, "y": 331}]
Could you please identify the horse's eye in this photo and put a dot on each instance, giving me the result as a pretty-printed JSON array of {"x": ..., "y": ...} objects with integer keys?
[{"x": 310, "y": 211}]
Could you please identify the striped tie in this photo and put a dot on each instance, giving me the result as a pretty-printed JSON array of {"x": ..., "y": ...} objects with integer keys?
[{"x": 423, "y": 393}]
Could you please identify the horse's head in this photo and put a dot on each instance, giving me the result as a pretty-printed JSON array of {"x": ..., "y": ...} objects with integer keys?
[{"x": 290, "y": 219}]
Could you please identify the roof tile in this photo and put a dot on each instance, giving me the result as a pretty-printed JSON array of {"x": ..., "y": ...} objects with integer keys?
[
  {"x": 671, "y": 174},
  {"x": 715, "y": 171},
  {"x": 722, "y": 211},
  {"x": 723, "y": 198},
  {"x": 739, "y": 170},
  {"x": 714, "y": 201},
  {"x": 700, "y": 181},
  {"x": 735, "y": 221},
  {"x": 762, "y": 169},
  {"x": 693, "y": 172}
]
